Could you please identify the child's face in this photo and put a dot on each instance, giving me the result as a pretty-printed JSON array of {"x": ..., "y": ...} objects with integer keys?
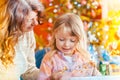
[
  {"x": 30, "y": 21},
  {"x": 65, "y": 42}
]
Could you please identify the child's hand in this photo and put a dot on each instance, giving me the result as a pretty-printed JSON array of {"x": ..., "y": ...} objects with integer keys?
[
  {"x": 61, "y": 75},
  {"x": 56, "y": 75},
  {"x": 65, "y": 76},
  {"x": 76, "y": 73}
]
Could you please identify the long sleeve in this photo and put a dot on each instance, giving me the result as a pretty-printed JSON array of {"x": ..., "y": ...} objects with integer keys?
[
  {"x": 45, "y": 68},
  {"x": 32, "y": 71}
]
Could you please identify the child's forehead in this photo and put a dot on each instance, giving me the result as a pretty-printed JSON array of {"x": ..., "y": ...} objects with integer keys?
[
  {"x": 64, "y": 30},
  {"x": 64, "y": 33}
]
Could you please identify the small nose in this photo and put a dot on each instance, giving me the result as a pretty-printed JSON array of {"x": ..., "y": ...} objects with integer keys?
[{"x": 66, "y": 44}]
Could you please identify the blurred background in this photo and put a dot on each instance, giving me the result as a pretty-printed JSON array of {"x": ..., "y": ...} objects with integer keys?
[{"x": 101, "y": 20}]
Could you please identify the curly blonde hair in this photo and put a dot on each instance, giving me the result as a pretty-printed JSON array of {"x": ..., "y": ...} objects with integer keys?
[{"x": 13, "y": 12}]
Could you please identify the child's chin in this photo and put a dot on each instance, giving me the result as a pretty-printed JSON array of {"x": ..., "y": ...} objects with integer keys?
[{"x": 67, "y": 53}]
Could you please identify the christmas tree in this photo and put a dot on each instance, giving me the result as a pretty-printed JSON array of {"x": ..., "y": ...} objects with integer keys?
[{"x": 88, "y": 10}]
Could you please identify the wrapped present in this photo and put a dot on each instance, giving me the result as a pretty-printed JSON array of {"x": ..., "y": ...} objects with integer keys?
[{"x": 114, "y": 69}]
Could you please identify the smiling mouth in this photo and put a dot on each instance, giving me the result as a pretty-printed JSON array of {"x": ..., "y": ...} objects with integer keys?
[{"x": 66, "y": 49}]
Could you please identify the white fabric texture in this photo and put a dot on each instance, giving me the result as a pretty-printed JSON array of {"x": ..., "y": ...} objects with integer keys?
[{"x": 24, "y": 60}]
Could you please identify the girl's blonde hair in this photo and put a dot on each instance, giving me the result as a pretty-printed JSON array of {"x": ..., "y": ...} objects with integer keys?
[{"x": 73, "y": 22}]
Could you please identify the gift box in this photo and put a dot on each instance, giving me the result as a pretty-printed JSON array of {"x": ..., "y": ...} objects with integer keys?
[{"x": 114, "y": 69}]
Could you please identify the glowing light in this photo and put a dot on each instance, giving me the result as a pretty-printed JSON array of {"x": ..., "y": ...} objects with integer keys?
[
  {"x": 55, "y": 10},
  {"x": 50, "y": 20},
  {"x": 50, "y": 4}
]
